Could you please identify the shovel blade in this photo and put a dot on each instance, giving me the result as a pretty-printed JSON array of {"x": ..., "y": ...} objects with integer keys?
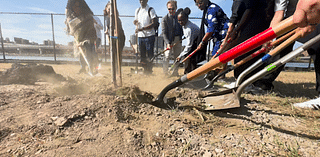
[{"x": 220, "y": 102}]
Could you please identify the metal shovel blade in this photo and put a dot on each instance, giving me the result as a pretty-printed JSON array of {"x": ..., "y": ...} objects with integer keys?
[{"x": 222, "y": 100}]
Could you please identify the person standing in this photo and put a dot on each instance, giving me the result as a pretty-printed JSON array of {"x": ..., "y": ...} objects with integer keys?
[
  {"x": 80, "y": 24},
  {"x": 191, "y": 32},
  {"x": 145, "y": 20},
  {"x": 283, "y": 9},
  {"x": 314, "y": 53},
  {"x": 216, "y": 21},
  {"x": 172, "y": 34},
  {"x": 249, "y": 17},
  {"x": 121, "y": 35}
]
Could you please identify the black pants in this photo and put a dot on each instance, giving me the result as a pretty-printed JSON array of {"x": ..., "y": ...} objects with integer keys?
[
  {"x": 246, "y": 65},
  {"x": 268, "y": 79},
  {"x": 315, "y": 55}
]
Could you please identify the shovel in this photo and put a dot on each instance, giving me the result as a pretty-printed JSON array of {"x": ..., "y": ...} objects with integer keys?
[
  {"x": 267, "y": 57},
  {"x": 155, "y": 56},
  {"x": 258, "y": 52},
  {"x": 225, "y": 100},
  {"x": 273, "y": 66},
  {"x": 136, "y": 54},
  {"x": 86, "y": 60},
  {"x": 250, "y": 44}
]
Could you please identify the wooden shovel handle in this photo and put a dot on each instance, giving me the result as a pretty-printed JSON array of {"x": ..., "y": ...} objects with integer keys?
[
  {"x": 265, "y": 49},
  {"x": 250, "y": 44},
  {"x": 281, "y": 39},
  {"x": 190, "y": 55},
  {"x": 283, "y": 45}
]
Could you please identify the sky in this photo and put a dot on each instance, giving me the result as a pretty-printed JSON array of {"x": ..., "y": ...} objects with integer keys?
[{"x": 38, "y": 28}]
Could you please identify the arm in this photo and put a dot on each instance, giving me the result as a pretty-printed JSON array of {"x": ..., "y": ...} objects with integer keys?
[
  {"x": 204, "y": 40},
  {"x": 277, "y": 18},
  {"x": 243, "y": 22},
  {"x": 188, "y": 34}
]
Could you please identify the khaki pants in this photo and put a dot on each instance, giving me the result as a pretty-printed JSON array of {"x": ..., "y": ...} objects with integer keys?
[{"x": 176, "y": 50}]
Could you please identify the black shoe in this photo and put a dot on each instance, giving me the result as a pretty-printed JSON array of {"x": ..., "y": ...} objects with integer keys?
[{"x": 264, "y": 86}]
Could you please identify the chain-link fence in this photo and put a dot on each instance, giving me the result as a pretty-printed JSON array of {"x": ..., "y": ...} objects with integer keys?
[{"x": 42, "y": 36}]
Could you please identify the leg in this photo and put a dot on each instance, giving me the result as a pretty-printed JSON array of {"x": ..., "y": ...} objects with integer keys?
[
  {"x": 266, "y": 82},
  {"x": 165, "y": 63},
  {"x": 176, "y": 51},
  {"x": 315, "y": 55},
  {"x": 142, "y": 50},
  {"x": 150, "y": 52}
]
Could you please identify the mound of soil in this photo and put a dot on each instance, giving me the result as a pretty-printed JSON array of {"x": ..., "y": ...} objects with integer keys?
[{"x": 29, "y": 74}]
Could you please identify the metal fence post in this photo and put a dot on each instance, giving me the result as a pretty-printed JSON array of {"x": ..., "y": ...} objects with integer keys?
[
  {"x": 4, "y": 56},
  {"x": 54, "y": 42},
  {"x": 105, "y": 38}
]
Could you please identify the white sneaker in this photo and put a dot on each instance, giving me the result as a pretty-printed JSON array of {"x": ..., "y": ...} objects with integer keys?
[{"x": 313, "y": 104}]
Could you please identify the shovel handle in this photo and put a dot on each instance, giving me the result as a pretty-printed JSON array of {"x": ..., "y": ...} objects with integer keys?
[
  {"x": 284, "y": 37},
  {"x": 190, "y": 55},
  {"x": 167, "y": 48},
  {"x": 250, "y": 44},
  {"x": 283, "y": 45},
  {"x": 133, "y": 47},
  {"x": 265, "y": 49}
]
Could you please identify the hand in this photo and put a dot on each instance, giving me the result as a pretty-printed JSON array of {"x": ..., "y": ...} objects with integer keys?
[
  {"x": 178, "y": 59},
  {"x": 233, "y": 35},
  {"x": 168, "y": 46},
  {"x": 306, "y": 30},
  {"x": 138, "y": 30},
  {"x": 201, "y": 45},
  {"x": 135, "y": 22},
  {"x": 267, "y": 45},
  {"x": 307, "y": 13}
]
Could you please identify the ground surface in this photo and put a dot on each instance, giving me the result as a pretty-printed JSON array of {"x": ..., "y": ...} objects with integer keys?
[{"x": 86, "y": 116}]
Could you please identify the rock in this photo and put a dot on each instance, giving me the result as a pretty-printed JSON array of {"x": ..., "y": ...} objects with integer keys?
[
  {"x": 207, "y": 154},
  {"x": 60, "y": 121}
]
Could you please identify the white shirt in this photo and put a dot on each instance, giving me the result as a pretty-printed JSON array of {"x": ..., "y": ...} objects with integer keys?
[
  {"x": 190, "y": 31},
  {"x": 289, "y": 6},
  {"x": 144, "y": 20}
]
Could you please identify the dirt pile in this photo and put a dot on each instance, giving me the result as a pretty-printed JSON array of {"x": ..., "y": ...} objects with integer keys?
[{"x": 29, "y": 74}]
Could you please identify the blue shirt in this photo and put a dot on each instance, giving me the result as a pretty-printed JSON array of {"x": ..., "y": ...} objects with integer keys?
[{"x": 216, "y": 21}]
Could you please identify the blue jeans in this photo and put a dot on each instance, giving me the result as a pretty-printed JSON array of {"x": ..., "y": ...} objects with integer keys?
[{"x": 146, "y": 47}]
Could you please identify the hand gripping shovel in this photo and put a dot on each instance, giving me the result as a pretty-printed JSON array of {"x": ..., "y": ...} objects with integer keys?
[
  {"x": 155, "y": 56},
  {"x": 273, "y": 66},
  {"x": 258, "y": 52},
  {"x": 226, "y": 99},
  {"x": 248, "y": 45},
  {"x": 268, "y": 56}
]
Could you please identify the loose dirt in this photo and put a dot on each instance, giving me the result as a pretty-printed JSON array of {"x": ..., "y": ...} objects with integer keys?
[{"x": 80, "y": 115}]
